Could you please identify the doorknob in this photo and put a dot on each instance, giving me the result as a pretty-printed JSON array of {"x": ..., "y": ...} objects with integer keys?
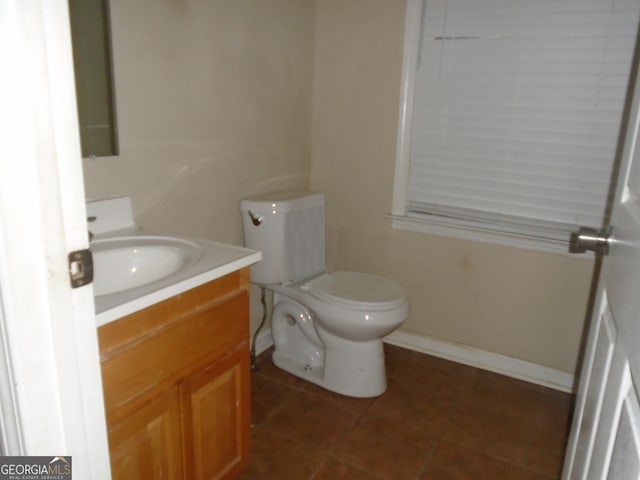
[{"x": 597, "y": 241}]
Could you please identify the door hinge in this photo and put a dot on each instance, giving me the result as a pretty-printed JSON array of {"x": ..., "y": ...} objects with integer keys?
[{"x": 80, "y": 268}]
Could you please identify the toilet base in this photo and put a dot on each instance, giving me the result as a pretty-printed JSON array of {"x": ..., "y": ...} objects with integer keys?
[{"x": 355, "y": 369}]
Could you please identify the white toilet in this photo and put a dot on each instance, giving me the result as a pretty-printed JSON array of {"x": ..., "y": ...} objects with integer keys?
[{"x": 327, "y": 328}]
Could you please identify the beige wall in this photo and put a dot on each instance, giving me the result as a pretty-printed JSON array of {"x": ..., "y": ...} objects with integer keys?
[
  {"x": 213, "y": 105},
  {"x": 514, "y": 302}
]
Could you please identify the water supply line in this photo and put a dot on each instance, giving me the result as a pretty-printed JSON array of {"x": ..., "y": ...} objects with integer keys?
[{"x": 254, "y": 365}]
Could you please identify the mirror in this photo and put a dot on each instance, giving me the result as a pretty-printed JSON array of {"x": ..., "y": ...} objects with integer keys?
[{"x": 91, "y": 40}]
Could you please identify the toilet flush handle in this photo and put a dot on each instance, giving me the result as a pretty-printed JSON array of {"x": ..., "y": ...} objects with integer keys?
[{"x": 255, "y": 218}]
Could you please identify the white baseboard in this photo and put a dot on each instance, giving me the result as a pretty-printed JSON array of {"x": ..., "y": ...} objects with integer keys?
[{"x": 509, "y": 366}]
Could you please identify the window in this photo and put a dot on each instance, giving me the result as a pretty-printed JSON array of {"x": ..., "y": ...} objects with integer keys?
[{"x": 511, "y": 115}]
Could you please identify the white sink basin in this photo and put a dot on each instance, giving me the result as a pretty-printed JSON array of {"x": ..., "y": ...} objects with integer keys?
[{"x": 125, "y": 263}]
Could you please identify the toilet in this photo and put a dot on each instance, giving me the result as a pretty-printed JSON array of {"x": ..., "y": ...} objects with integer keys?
[{"x": 327, "y": 328}]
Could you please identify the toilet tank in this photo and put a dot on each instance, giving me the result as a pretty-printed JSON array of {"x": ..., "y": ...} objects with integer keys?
[{"x": 288, "y": 227}]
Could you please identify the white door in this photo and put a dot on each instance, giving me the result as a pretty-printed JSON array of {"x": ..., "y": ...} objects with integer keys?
[
  {"x": 605, "y": 435},
  {"x": 50, "y": 387}
]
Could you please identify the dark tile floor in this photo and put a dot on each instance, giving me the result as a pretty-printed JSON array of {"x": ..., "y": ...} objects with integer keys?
[{"x": 438, "y": 420}]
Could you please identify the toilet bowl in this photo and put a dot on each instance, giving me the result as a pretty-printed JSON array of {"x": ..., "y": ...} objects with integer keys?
[{"x": 327, "y": 328}]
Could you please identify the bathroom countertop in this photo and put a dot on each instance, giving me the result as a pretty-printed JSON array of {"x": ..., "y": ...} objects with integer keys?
[{"x": 217, "y": 260}]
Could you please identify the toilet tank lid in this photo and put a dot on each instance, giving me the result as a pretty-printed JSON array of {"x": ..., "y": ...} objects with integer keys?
[{"x": 282, "y": 202}]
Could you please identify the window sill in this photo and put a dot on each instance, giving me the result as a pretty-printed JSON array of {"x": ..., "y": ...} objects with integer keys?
[{"x": 479, "y": 231}]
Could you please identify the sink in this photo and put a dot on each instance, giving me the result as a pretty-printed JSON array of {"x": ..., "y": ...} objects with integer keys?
[
  {"x": 128, "y": 262},
  {"x": 134, "y": 269}
]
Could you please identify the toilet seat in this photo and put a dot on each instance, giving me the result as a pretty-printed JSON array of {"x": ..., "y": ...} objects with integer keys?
[{"x": 356, "y": 290}]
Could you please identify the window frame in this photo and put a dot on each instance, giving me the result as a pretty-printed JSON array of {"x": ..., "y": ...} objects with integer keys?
[{"x": 461, "y": 228}]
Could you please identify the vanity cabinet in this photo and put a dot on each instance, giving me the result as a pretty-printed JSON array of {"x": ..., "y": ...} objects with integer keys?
[{"x": 176, "y": 384}]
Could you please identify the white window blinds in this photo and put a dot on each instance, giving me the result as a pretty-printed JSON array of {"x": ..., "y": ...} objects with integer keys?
[{"x": 517, "y": 108}]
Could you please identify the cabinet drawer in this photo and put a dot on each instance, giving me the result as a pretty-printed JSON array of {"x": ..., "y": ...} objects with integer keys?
[
  {"x": 120, "y": 333},
  {"x": 154, "y": 361}
]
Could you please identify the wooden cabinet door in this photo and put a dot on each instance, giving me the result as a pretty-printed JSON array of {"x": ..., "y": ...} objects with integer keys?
[
  {"x": 147, "y": 444},
  {"x": 216, "y": 410}
]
